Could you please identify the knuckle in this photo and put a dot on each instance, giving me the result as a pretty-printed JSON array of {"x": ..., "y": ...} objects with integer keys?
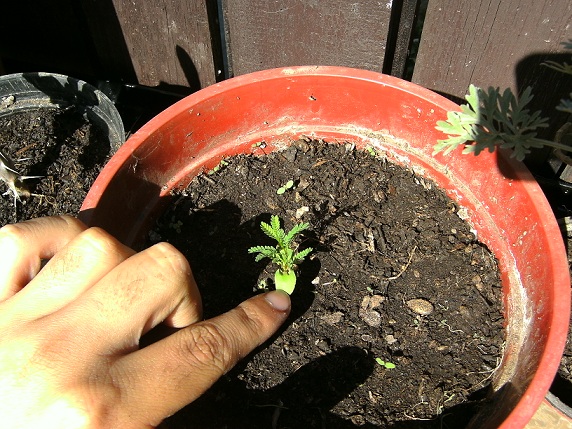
[
  {"x": 13, "y": 234},
  {"x": 167, "y": 257},
  {"x": 72, "y": 222},
  {"x": 98, "y": 245},
  {"x": 258, "y": 324},
  {"x": 101, "y": 240},
  {"x": 22, "y": 232},
  {"x": 206, "y": 345},
  {"x": 250, "y": 320}
]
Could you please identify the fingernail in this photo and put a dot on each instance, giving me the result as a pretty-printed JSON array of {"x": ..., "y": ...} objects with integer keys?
[{"x": 279, "y": 300}]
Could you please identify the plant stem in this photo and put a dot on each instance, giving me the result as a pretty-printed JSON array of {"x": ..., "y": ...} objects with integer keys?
[{"x": 554, "y": 144}]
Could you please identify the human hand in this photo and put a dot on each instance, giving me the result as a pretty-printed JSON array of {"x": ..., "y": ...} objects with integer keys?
[{"x": 70, "y": 331}]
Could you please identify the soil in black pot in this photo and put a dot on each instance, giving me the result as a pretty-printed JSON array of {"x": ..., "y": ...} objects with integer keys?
[
  {"x": 61, "y": 147},
  {"x": 396, "y": 275}
]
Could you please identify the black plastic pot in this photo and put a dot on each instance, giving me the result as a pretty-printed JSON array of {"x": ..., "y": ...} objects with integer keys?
[{"x": 29, "y": 91}]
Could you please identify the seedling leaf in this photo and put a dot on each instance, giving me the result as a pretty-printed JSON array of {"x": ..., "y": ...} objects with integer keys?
[
  {"x": 300, "y": 256},
  {"x": 285, "y": 281},
  {"x": 263, "y": 252},
  {"x": 387, "y": 365},
  {"x": 289, "y": 184},
  {"x": 296, "y": 229}
]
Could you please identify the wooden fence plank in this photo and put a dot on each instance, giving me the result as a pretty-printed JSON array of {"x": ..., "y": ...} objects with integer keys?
[
  {"x": 264, "y": 34},
  {"x": 403, "y": 19},
  {"x": 499, "y": 43},
  {"x": 169, "y": 42},
  {"x": 109, "y": 50}
]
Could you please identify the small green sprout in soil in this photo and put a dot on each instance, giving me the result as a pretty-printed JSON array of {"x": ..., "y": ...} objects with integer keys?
[
  {"x": 284, "y": 254},
  {"x": 176, "y": 225},
  {"x": 288, "y": 185},
  {"x": 261, "y": 145},
  {"x": 492, "y": 119},
  {"x": 387, "y": 365},
  {"x": 223, "y": 163}
]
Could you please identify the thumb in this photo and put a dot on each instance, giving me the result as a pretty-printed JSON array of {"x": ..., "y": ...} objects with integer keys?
[{"x": 169, "y": 374}]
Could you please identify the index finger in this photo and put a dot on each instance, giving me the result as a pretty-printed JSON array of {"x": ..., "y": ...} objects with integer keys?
[
  {"x": 24, "y": 245},
  {"x": 169, "y": 374}
]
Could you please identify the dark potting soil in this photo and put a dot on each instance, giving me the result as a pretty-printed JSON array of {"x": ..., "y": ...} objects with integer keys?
[
  {"x": 562, "y": 385},
  {"x": 61, "y": 147},
  {"x": 395, "y": 275}
]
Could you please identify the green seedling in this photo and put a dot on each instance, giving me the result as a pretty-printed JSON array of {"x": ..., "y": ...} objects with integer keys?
[
  {"x": 371, "y": 151},
  {"x": 260, "y": 145},
  {"x": 176, "y": 225},
  {"x": 219, "y": 166},
  {"x": 288, "y": 185},
  {"x": 284, "y": 254},
  {"x": 387, "y": 365},
  {"x": 492, "y": 119}
]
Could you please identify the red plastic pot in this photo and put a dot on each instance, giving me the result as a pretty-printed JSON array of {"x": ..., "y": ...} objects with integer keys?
[{"x": 501, "y": 199}]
